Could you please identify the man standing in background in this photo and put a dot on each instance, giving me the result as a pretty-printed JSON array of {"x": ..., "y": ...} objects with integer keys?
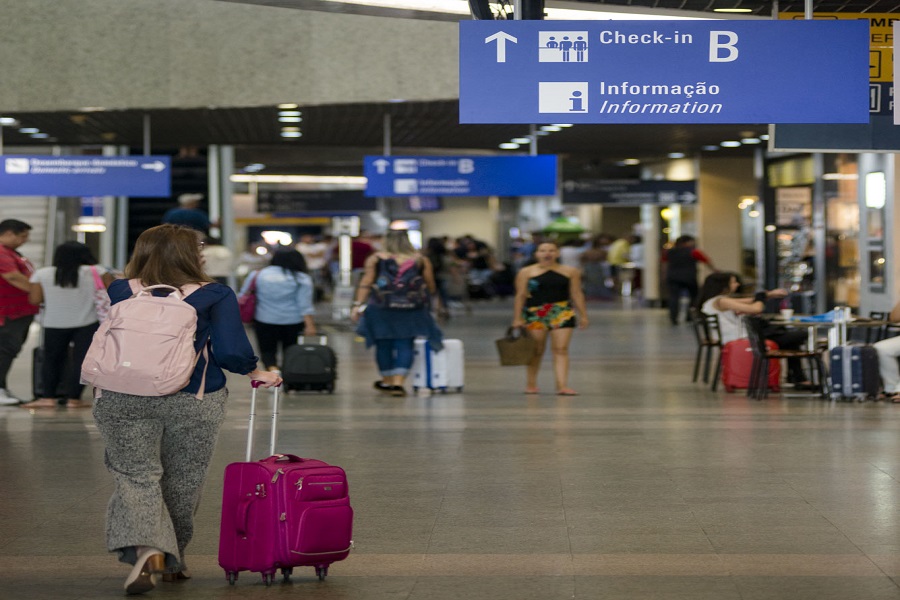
[
  {"x": 16, "y": 313},
  {"x": 681, "y": 273}
]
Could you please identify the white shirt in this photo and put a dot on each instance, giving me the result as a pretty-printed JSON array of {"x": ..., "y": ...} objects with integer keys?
[
  {"x": 67, "y": 308},
  {"x": 730, "y": 324},
  {"x": 316, "y": 254}
]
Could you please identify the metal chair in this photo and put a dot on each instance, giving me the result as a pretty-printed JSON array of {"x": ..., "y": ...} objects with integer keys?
[
  {"x": 758, "y": 387},
  {"x": 709, "y": 341}
]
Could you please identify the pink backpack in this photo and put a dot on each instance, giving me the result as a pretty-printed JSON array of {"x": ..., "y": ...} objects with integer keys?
[{"x": 146, "y": 345}]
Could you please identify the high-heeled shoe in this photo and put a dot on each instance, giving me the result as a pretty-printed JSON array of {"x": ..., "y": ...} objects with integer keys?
[{"x": 142, "y": 578}]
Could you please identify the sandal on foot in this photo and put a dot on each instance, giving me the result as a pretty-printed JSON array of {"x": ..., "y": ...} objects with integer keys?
[
  {"x": 41, "y": 403},
  {"x": 566, "y": 392},
  {"x": 532, "y": 390}
]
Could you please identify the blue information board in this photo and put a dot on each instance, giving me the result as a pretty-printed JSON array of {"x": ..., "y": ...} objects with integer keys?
[
  {"x": 44, "y": 175},
  {"x": 460, "y": 175},
  {"x": 711, "y": 71}
]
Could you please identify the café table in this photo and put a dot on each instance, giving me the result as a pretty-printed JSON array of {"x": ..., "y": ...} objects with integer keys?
[{"x": 837, "y": 335}]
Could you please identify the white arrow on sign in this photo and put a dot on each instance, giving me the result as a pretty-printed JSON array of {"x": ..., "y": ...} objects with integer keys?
[
  {"x": 381, "y": 165},
  {"x": 154, "y": 166},
  {"x": 501, "y": 37},
  {"x": 687, "y": 197}
]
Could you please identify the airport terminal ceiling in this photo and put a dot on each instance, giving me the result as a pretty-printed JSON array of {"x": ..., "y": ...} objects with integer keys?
[{"x": 335, "y": 137}]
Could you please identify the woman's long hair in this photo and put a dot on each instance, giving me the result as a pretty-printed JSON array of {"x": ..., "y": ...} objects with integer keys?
[
  {"x": 289, "y": 260},
  {"x": 714, "y": 285},
  {"x": 68, "y": 258},
  {"x": 169, "y": 255},
  {"x": 396, "y": 241}
]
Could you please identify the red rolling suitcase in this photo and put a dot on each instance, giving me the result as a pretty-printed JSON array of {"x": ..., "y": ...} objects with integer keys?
[
  {"x": 737, "y": 363},
  {"x": 283, "y": 512}
]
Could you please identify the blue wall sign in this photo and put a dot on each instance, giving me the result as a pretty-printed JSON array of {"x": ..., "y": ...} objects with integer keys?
[
  {"x": 45, "y": 175},
  {"x": 313, "y": 202},
  {"x": 461, "y": 175},
  {"x": 627, "y": 192},
  {"x": 664, "y": 71}
]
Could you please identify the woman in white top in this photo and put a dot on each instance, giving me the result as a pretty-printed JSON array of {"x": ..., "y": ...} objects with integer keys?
[
  {"x": 716, "y": 298},
  {"x": 67, "y": 291}
]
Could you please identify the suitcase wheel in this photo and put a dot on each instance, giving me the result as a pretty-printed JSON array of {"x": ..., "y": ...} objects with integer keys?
[
  {"x": 268, "y": 578},
  {"x": 231, "y": 576},
  {"x": 321, "y": 573},
  {"x": 286, "y": 574}
]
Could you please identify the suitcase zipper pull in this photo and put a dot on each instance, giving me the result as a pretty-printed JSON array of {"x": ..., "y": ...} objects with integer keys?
[
  {"x": 300, "y": 484},
  {"x": 277, "y": 474}
]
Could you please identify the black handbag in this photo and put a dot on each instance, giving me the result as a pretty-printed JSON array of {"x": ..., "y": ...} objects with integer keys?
[{"x": 516, "y": 348}]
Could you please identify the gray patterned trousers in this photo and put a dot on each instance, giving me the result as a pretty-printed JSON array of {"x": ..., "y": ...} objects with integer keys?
[{"x": 158, "y": 450}]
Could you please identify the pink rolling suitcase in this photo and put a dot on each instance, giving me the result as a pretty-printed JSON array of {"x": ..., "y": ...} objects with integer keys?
[{"x": 283, "y": 512}]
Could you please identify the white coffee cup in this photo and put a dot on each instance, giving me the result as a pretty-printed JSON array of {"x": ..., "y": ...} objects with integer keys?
[{"x": 787, "y": 313}]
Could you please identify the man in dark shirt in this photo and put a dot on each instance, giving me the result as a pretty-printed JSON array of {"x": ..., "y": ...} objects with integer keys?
[
  {"x": 188, "y": 213},
  {"x": 16, "y": 313},
  {"x": 681, "y": 272}
]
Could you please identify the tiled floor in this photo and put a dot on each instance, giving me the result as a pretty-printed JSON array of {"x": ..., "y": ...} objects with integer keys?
[{"x": 646, "y": 486}]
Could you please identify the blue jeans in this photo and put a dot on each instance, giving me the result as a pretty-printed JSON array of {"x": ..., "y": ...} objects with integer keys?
[{"x": 394, "y": 357}]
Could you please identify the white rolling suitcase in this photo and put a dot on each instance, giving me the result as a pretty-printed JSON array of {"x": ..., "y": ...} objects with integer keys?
[{"x": 442, "y": 370}]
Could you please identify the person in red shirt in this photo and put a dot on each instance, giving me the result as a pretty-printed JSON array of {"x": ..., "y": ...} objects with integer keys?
[
  {"x": 681, "y": 273},
  {"x": 16, "y": 313}
]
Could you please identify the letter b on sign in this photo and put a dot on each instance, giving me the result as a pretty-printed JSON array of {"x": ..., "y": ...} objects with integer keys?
[{"x": 723, "y": 46}]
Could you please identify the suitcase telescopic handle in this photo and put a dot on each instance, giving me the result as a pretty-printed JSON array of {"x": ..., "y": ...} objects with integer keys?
[{"x": 252, "y": 422}]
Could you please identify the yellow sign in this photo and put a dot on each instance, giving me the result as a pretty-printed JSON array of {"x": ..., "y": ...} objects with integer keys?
[{"x": 881, "y": 39}]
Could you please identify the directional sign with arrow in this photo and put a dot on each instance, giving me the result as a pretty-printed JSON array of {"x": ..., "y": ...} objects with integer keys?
[
  {"x": 136, "y": 176},
  {"x": 501, "y": 37}
]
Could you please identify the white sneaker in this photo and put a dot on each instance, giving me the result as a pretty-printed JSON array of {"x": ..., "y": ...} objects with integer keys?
[{"x": 7, "y": 399}]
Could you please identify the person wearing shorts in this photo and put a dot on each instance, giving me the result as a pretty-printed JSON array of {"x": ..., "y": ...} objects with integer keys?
[{"x": 550, "y": 303}]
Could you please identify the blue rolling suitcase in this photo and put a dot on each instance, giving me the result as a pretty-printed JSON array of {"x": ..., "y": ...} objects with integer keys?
[{"x": 854, "y": 372}]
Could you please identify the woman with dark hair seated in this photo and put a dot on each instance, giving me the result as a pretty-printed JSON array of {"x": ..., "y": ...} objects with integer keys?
[{"x": 717, "y": 298}]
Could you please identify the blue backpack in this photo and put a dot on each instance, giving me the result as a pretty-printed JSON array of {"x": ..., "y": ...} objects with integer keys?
[{"x": 399, "y": 287}]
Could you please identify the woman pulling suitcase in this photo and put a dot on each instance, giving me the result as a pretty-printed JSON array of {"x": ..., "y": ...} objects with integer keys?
[{"x": 158, "y": 448}]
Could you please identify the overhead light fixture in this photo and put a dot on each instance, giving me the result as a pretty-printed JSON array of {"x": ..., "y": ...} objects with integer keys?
[
  {"x": 631, "y": 161},
  {"x": 709, "y": 148},
  {"x": 676, "y": 154},
  {"x": 769, "y": 228},
  {"x": 348, "y": 180},
  {"x": 541, "y": 132},
  {"x": 730, "y": 144},
  {"x": 753, "y": 214},
  {"x": 509, "y": 146},
  {"x": 563, "y": 125},
  {"x": 764, "y": 137},
  {"x": 254, "y": 168},
  {"x": 7, "y": 121},
  {"x": 750, "y": 140},
  {"x": 290, "y": 119},
  {"x": 29, "y": 130},
  {"x": 91, "y": 109},
  {"x": 40, "y": 136},
  {"x": 551, "y": 128},
  {"x": 732, "y": 10},
  {"x": 288, "y": 106},
  {"x": 291, "y": 134},
  {"x": 521, "y": 140}
]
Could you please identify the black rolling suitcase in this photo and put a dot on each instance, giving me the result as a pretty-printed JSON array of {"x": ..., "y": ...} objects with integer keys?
[
  {"x": 310, "y": 366},
  {"x": 854, "y": 372}
]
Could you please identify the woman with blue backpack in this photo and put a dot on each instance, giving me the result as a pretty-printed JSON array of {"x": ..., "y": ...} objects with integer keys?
[{"x": 393, "y": 308}]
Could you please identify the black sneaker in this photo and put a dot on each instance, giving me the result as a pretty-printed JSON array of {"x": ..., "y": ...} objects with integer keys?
[
  {"x": 398, "y": 391},
  {"x": 382, "y": 387}
]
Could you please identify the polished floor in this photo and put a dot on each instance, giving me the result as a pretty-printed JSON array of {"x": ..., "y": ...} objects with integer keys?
[{"x": 645, "y": 487}]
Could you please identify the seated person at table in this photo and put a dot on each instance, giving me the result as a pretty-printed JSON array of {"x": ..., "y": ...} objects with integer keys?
[
  {"x": 888, "y": 352},
  {"x": 717, "y": 298}
]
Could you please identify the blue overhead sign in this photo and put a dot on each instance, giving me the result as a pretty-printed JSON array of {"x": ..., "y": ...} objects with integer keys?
[
  {"x": 460, "y": 175},
  {"x": 136, "y": 176},
  {"x": 664, "y": 72}
]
